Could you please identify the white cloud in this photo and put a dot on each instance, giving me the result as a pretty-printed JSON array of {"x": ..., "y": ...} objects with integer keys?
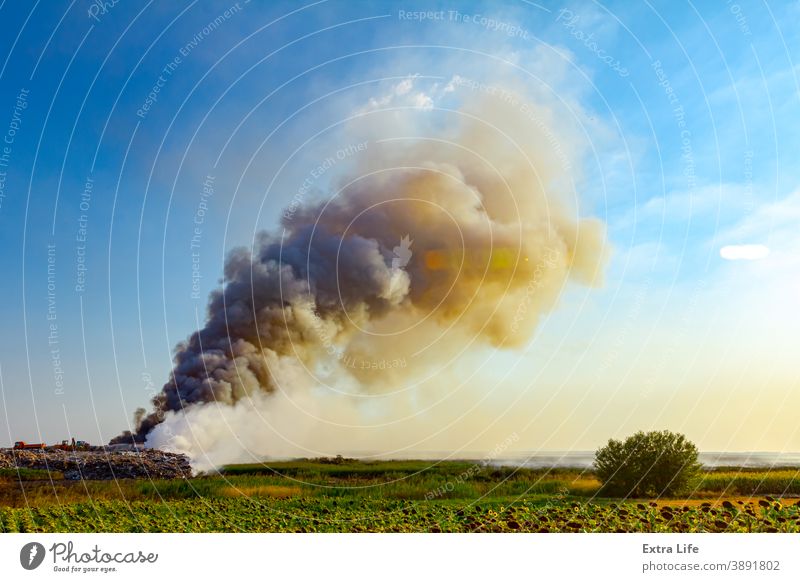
[
  {"x": 404, "y": 86},
  {"x": 423, "y": 101},
  {"x": 402, "y": 94},
  {"x": 724, "y": 202},
  {"x": 775, "y": 224},
  {"x": 744, "y": 252}
]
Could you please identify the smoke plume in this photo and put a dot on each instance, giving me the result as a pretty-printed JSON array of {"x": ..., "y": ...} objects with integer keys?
[{"x": 445, "y": 243}]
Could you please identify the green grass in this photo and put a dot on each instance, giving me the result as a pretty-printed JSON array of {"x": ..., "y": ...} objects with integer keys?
[
  {"x": 413, "y": 479},
  {"x": 22, "y": 474},
  {"x": 312, "y": 495},
  {"x": 776, "y": 482}
]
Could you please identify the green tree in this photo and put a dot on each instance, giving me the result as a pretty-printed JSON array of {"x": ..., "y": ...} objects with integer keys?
[{"x": 647, "y": 464}]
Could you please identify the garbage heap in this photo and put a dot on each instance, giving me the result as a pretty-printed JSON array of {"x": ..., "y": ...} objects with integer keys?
[{"x": 100, "y": 463}]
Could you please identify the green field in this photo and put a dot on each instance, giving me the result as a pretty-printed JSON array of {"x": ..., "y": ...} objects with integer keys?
[{"x": 392, "y": 496}]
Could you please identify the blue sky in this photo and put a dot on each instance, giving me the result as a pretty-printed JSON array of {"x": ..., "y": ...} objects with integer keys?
[{"x": 252, "y": 94}]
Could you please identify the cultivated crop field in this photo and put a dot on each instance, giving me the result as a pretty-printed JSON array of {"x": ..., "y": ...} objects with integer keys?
[
  {"x": 398, "y": 496},
  {"x": 376, "y": 515}
]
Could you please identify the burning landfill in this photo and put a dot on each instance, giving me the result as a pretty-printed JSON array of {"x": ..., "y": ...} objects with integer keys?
[
  {"x": 458, "y": 241},
  {"x": 99, "y": 463}
]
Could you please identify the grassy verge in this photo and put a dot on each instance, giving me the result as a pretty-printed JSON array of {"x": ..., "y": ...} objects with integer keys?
[
  {"x": 23, "y": 474},
  {"x": 772, "y": 482}
]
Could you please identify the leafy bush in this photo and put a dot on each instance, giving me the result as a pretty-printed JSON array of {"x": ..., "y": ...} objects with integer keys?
[{"x": 647, "y": 465}]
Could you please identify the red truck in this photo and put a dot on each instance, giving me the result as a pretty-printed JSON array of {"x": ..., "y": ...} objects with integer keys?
[{"x": 24, "y": 445}]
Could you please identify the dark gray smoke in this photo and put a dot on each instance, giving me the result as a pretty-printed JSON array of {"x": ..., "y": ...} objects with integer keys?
[{"x": 272, "y": 302}]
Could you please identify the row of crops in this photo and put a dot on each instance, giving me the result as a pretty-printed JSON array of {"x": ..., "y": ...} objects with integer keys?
[{"x": 320, "y": 514}]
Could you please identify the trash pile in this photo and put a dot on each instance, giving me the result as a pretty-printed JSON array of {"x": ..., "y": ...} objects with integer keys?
[{"x": 101, "y": 463}]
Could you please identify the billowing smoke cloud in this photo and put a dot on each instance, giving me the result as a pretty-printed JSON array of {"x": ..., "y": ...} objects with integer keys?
[{"x": 462, "y": 240}]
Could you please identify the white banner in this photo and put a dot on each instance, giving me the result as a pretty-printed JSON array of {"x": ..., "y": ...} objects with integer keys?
[{"x": 406, "y": 557}]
